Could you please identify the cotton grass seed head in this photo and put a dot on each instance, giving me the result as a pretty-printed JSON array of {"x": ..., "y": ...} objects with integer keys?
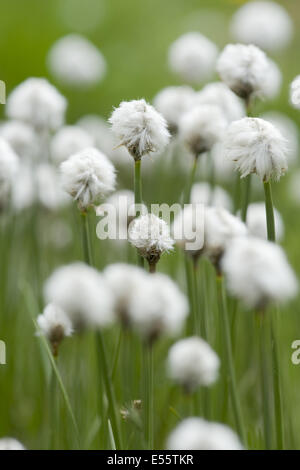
[
  {"x": 257, "y": 272},
  {"x": 55, "y": 325},
  {"x": 82, "y": 293},
  {"x": 257, "y": 222},
  {"x": 158, "y": 307},
  {"x": 68, "y": 141},
  {"x": 140, "y": 128},
  {"x": 295, "y": 92},
  {"x": 10, "y": 443},
  {"x": 256, "y": 146},
  {"x": 172, "y": 102},
  {"x": 197, "y": 434},
  {"x": 151, "y": 236},
  {"x": 73, "y": 60},
  {"x": 265, "y": 24},
  {"x": 49, "y": 192},
  {"x": 193, "y": 57},
  {"x": 203, "y": 193},
  {"x": 21, "y": 137},
  {"x": 88, "y": 176},
  {"x": 245, "y": 70},
  {"x": 9, "y": 165},
  {"x": 192, "y": 363},
  {"x": 38, "y": 103},
  {"x": 201, "y": 128}
]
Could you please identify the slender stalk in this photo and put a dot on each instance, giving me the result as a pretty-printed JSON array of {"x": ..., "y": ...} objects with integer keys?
[
  {"x": 231, "y": 377},
  {"x": 237, "y": 193},
  {"x": 246, "y": 196},
  {"x": 269, "y": 211},
  {"x": 86, "y": 244},
  {"x": 138, "y": 197},
  {"x": 199, "y": 324},
  {"x": 190, "y": 291},
  {"x": 148, "y": 395},
  {"x": 264, "y": 372}
]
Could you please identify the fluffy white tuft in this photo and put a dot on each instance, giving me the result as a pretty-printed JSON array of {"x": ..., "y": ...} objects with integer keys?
[
  {"x": 257, "y": 222},
  {"x": 21, "y": 137},
  {"x": 295, "y": 92},
  {"x": 68, "y": 141},
  {"x": 9, "y": 165},
  {"x": 172, "y": 102},
  {"x": 54, "y": 324},
  {"x": 10, "y": 443}
]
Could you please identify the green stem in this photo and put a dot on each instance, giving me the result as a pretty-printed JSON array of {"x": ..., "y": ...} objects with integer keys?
[
  {"x": 231, "y": 377},
  {"x": 264, "y": 373},
  {"x": 277, "y": 389},
  {"x": 138, "y": 197},
  {"x": 149, "y": 395},
  {"x": 86, "y": 244},
  {"x": 190, "y": 291},
  {"x": 269, "y": 211},
  {"x": 237, "y": 193},
  {"x": 246, "y": 196},
  {"x": 199, "y": 323}
]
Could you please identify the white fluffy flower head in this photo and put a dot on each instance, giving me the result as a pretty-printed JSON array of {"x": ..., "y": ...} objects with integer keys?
[
  {"x": 201, "y": 128},
  {"x": 151, "y": 236},
  {"x": 21, "y": 137},
  {"x": 38, "y": 103},
  {"x": 198, "y": 434},
  {"x": 172, "y": 102},
  {"x": 256, "y": 146},
  {"x": 265, "y": 24},
  {"x": 88, "y": 176},
  {"x": 295, "y": 92},
  {"x": 140, "y": 128},
  {"x": 192, "y": 362},
  {"x": 257, "y": 223},
  {"x": 55, "y": 325},
  {"x": 68, "y": 141},
  {"x": 193, "y": 57},
  {"x": 9, "y": 164},
  {"x": 10, "y": 443},
  {"x": 257, "y": 272}
]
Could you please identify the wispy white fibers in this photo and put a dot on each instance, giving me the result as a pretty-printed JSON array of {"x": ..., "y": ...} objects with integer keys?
[
  {"x": 248, "y": 72},
  {"x": 172, "y": 102},
  {"x": 219, "y": 94},
  {"x": 21, "y": 137},
  {"x": 124, "y": 280},
  {"x": 37, "y": 102},
  {"x": 9, "y": 164},
  {"x": 198, "y": 434},
  {"x": 151, "y": 236},
  {"x": 82, "y": 293},
  {"x": 67, "y": 141},
  {"x": 10, "y": 443},
  {"x": 201, "y": 128},
  {"x": 140, "y": 128},
  {"x": 257, "y": 272},
  {"x": 193, "y": 57},
  {"x": 295, "y": 92},
  {"x": 203, "y": 193},
  {"x": 256, "y": 146},
  {"x": 192, "y": 362},
  {"x": 88, "y": 176},
  {"x": 75, "y": 61},
  {"x": 257, "y": 223},
  {"x": 289, "y": 130},
  {"x": 55, "y": 324},
  {"x": 265, "y": 24},
  {"x": 158, "y": 307}
]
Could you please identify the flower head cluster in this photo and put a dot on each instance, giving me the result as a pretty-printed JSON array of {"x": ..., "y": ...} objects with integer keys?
[
  {"x": 172, "y": 102},
  {"x": 193, "y": 57},
  {"x": 256, "y": 146},
  {"x": 257, "y": 272},
  {"x": 295, "y": 92},
  {"x": 68, "y": 141},
  {"x": 198, "y": 434},
  {"x": 55, "y": 325},
  {"x": 75, "y": 61},
  {"x": 37, "y": 102},
  {"x": 140, "y": 128},
  {"x": 88, "y": 176},
  {"x": 21, "y": 137},
  {"x": 192, "y": 362},
  {"x": 263, "y": 23}
]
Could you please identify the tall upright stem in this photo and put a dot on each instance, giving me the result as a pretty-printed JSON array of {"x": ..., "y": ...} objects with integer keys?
[
  {"x": 138, "y": 197},
  {"x": 264, "y": 371},
  {"x": 148, "y": 395},
  {"x": 246, "y": 196},
  {"x": 269, "y": 211}
]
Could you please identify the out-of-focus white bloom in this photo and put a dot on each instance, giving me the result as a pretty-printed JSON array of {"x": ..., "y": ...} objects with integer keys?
[
  {"x": 219, "y": 228},
  {"x": 198, "y": 434},
  {"x": 273, "y": 81},
  {"x": 140, "y": 128},
  {"x": 193, "y": 57},
  {"x": 23, "y": 191},
  {"x": 223, "y": 168},
  {"x": 192, "y": 362},
  {"x": 288, "y": 128},
  {"x": 188, "y": 229},
  {"x": 9, "y": 164},
  {"x": 172, "y": 102},
  {"x": 246, "y": 70},
  {"x": 104, "y": 139},
  {"x": 257, "y": 222},
  {"x": 75, "y": 61},
  {"x": 295, "y": 92},
  {"x": 88, "y": 176},
  {"x": 124, "y": 280},
  {"x": 158, "y": 307},
  {"x": 201, "y": 128},
  {"x": 37, "y": 102},
  {"x": 258, "y": 272},
  {"x": 202, "y": 193},
  {"x": 49, "y": 191},
  {"x": 68, "y": 141},
  {"x": 83, "y": 294},
  {"x": 219, "y": 94},
  {"x": 55, "y": 324},
  {"x": 265, "y": 24},
  {"x": 10, "y": 443},
  {"x": 151, "y": 236},
  {"x": 256, "y": 146},
  {"x": 21, "y": 137},
  {"x": 122, "y": 202}
]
